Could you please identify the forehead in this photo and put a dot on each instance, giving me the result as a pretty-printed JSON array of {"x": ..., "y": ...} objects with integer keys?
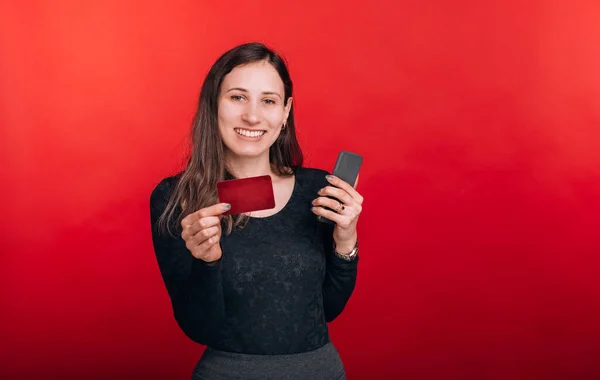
[{"x": 254, "y": 77}]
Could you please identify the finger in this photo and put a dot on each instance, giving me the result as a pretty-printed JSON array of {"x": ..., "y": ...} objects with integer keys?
[
  {"x": 340, "y": 220},
  {"x": 213, "y": 210},
  {"x": 337, "y": 182},
  {"x": 328, "y": 202},
  {"x": 206, "y": 244},
  {"x": 208, "y": 221},
  {"x": 356, "y": 182},
  {"x": 340, "y": 194},
  {"x": 204, "y": 235},
  {"x": 198, "y": 225}
]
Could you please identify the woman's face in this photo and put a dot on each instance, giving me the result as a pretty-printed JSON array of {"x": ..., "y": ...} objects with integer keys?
[{"x": 251, "y": 109}]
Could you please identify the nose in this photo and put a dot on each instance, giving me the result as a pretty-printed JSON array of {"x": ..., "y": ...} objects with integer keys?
[{"x": 251, "y": 114}]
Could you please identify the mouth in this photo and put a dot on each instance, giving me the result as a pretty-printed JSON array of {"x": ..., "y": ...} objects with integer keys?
[{"x": 252, "y": 134}]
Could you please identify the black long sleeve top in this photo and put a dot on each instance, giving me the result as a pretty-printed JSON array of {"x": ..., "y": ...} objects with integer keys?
[{"x": 276, "y": 286}]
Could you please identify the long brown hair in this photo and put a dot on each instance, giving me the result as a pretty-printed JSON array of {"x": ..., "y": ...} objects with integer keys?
[{"x": 196, "y": 186}]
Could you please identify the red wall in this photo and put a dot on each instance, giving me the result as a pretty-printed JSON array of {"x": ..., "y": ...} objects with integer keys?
[{"x": 479, "y": 122}]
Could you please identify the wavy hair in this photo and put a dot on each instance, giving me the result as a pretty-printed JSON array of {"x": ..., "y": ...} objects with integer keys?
[{"x": 196, "y": 185}]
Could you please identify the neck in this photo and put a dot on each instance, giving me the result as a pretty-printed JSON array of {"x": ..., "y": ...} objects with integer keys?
[{"x": 244, "y": 167}]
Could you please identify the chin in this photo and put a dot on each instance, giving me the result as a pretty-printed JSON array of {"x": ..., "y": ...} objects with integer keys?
[
  {"x": 246, "y": 151},
  {"x": 248, "y": 154}
]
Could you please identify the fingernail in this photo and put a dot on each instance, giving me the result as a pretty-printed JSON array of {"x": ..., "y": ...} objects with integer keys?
[
  {"x": 329, "y": 177},
  {"x": 226, "y": 206}
]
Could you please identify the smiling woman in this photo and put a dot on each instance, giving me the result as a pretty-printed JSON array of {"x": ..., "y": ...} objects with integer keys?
[
  {"x": 252, "y": 109},
  {"x": 247, "y": 91},
  {"x": 261, "y": 295}
]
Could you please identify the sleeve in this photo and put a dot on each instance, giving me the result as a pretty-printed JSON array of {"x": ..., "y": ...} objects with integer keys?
[
  {"x": 194, "y": 287},
  {"x": 340, "y": 275}
]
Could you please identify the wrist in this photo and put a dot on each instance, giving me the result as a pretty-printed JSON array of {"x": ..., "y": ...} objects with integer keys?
[
  {"x": 349, "y": 255},
  {"x": 345, "y": 247}
]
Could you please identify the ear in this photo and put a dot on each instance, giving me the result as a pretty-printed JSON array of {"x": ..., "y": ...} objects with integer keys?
[{"x": 287, "y": 109}]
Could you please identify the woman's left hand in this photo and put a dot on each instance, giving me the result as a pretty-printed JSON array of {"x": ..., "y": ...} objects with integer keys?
[{"x": 346, "y": 211}]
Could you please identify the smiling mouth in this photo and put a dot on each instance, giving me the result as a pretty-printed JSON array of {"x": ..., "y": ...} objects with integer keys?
[{"x": 248, "y": 133}]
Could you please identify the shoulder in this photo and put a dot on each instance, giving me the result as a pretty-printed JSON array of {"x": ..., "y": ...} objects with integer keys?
[
  {"x": 312, "y": 173},
  {"x": 162, "y": 191},
  {"x": 314, "y": 177}
]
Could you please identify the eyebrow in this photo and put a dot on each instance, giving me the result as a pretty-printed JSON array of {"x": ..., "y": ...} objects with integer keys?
[{"x": 244, "y": 90}]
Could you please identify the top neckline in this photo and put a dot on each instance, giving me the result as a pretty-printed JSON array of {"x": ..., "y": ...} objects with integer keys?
[{"x": 288, "y": 203}]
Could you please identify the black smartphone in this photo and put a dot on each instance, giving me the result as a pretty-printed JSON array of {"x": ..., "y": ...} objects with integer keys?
[{"x": 346, "y": 168}]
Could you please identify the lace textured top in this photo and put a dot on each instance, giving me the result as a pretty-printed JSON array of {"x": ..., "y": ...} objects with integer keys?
[{"x": 276, "y": 286}]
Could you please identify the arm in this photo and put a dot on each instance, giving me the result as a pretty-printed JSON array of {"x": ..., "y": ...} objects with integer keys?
[
  {"x": 340, "y": 277},
  {"x": 194, "y": 287}
]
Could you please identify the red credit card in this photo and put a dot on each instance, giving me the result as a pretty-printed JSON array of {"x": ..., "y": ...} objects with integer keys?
[{"x": 247, "y": 194}]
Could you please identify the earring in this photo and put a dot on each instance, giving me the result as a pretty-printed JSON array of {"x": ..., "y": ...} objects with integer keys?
[{"x": 283, "y": 126}]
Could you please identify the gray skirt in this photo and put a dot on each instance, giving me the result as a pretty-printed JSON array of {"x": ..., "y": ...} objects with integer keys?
[{"x": 323, "y": 363}]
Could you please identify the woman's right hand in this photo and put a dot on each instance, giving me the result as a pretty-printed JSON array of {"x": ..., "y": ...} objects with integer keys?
[{"x": 202, "y": 232}]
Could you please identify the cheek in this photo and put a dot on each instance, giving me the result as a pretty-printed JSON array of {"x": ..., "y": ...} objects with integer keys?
[
  {"x": 226, "y": 113},
  {"x": 275, "y": 117}
]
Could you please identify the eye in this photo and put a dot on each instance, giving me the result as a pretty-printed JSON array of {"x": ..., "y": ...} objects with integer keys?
[
  {"x": 269, "y": 101},
  {"x": 237, "y": 97}
]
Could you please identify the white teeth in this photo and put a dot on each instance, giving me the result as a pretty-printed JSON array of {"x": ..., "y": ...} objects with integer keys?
[{"x": 249, "y": 133}]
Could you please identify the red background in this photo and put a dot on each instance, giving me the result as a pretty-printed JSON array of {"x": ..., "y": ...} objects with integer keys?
[{"x": 479, "y": 122}]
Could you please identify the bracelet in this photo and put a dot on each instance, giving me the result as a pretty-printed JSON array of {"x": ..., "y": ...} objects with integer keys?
[{"x": 349, "y": 256}]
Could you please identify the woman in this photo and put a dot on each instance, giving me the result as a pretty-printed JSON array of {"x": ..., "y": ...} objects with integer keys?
[{"x": 257, "y": 289}]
